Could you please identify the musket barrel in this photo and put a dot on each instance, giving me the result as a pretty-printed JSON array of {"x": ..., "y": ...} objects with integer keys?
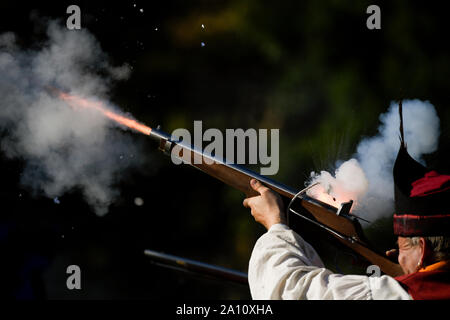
[
  {"x": 158, "y": 135},
  {"x": 240, "y": 173},
  {"x": 197, "y": 267}
]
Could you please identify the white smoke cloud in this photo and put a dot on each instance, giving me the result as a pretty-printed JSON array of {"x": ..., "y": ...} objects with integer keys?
[
  {"x": 62, "y": 148},
  {"x": 374, "y": 161},
  {"x": 348, "y": 183}
]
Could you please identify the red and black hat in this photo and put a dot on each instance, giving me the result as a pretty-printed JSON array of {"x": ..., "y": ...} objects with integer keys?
[{"x": 422, "y": 196}]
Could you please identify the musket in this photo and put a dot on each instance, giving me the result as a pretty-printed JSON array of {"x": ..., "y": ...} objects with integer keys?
[
  {"x": 196, "y": 267},
  {"x": 338, "y": 222}
]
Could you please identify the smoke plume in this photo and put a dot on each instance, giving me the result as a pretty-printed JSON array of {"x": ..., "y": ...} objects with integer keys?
[
  {"x": 367, "y": 177},
  {"x": 62, "y": 148}
]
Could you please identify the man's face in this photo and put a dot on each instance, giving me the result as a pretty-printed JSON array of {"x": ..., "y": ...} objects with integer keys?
[{"x": 409, "y": 255}]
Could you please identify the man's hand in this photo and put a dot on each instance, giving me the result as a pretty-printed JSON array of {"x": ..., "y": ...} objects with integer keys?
[{"x": 267, "y": 208}]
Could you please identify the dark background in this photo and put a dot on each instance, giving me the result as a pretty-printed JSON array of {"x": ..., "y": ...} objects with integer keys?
[{"x": 310, "y": 68}]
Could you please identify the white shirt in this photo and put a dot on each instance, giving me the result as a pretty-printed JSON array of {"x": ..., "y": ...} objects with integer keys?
[{"x": 284, "y": 266}]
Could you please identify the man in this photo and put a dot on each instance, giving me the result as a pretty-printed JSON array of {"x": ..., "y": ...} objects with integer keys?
[{"x": 284, "y": 266}]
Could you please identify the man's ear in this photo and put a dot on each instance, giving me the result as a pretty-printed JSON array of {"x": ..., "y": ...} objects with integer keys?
[{"x": 424, "y": 248}]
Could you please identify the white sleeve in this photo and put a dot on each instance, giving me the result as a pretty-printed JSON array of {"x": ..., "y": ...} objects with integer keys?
[{"x": 284, "y": 266}]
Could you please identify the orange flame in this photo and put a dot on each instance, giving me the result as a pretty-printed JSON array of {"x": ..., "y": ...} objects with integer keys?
[{"x": 77, "y": 102}]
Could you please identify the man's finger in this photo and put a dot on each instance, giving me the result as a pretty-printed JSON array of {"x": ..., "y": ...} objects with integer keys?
[
  {"x": 246, "y": 202},
  {"x": 258, "y": 186},
  {"x": 392, "y": 253}
]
